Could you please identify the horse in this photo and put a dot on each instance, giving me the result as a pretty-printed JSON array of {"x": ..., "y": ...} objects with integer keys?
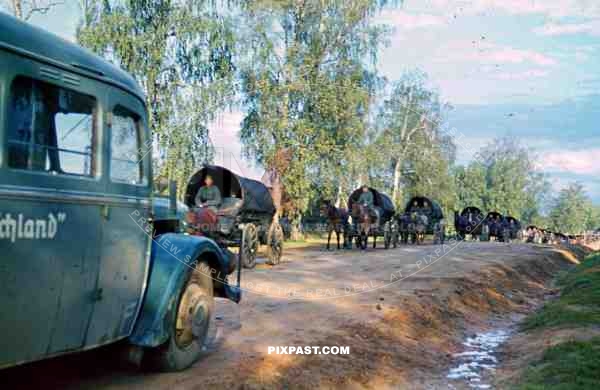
[
  {"x": 461, "y": 224},
  {"x": 337, "y": 221},
  {"x": 439, "y": 231},
  {"x": 361, "y": 217},
  {"x": 421, "y": 221},
  {"x": 404, "y": 227},
  {"x": 469, "y": 224},
  {"x": 496, "y": 229}
]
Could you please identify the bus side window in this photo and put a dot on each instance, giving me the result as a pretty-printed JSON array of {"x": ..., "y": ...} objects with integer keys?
[
  {"x": 51, "y": 128},
  {"x": 127, "y": 151}
]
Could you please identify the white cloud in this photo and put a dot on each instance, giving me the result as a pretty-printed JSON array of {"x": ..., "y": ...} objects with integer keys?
[
  {"x": 409, "y": 21},
  {"x": 555, "y": 29},
  {"x": 583, "y": 162},
  {"x": 549, "y": 8},
  {"x": 526, "y": 75},
  {"x": 490, "y": 53},
  {"x": 515, "y": 56}
]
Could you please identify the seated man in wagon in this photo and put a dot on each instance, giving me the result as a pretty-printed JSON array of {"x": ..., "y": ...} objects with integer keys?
[
  {"x": 366, "y": 199},
  {"x": 209, "y": 195}
]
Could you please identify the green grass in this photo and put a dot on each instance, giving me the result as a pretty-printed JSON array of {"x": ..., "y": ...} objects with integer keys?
[
  {"x": 574, "y": 365},
  {"x": 579, "y": 303}
]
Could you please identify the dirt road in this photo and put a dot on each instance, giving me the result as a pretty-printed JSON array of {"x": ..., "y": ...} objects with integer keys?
[{"x": 403, "y": 313}]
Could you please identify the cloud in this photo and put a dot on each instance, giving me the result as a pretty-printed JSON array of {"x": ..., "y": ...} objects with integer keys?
[
  {"x": 530, "y": 74},
  {"x": 491, "y": 53},
  {"x": 582, "y": 162},
  {"x": 409, "y": 21},
  {"x": 515, "y": 56},
  {"x": 556, "y": 29},
  {"x": 549, "y": 8}
]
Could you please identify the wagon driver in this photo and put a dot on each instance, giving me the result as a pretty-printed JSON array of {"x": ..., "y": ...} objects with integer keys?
[
  {"x": 209, "y": 195},
  {"x": 366, "y": 199}
]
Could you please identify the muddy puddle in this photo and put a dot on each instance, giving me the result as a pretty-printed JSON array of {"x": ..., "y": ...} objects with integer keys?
[{"x": 474, "y": 366}]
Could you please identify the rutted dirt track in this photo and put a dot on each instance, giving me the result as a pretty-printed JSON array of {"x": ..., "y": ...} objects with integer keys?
[{"x": 400, "y": 336}]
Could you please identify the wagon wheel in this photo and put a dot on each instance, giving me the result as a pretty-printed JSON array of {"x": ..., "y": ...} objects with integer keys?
[
  {"x": 358, "y": 240},
  {"x": 275, "y": 243},
  {"x": 387, "y": 235},
  {"x": 395, "y": 234},
  {"x": 249, "y": 246}
]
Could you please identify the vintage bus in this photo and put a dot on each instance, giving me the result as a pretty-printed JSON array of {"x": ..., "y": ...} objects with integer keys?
[{"x": 87, "y": 256}]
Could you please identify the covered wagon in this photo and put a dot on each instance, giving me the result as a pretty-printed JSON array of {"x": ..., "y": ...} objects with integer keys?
[
  {"x": 513, "y": 228},
  {"x": 376, "y": 223},
  {"x": 469, "y": 222},
  {"x": 430, "y": 208},
  {"x": 493, "y": 226},
  {"x": 245, "y": 218}
]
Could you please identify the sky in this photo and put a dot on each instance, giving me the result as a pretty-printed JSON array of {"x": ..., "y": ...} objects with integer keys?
[{"x": 525, "y": 68}]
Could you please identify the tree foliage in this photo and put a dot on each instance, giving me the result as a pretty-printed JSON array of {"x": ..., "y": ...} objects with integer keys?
[
  {"x": 416, "y": 155},
  {"x": 503, "y": 178},
  {"x": 571, "y": 210},
  {"x": 317, "y": 115},
  {"x": 181, "y": 53},
  {"x": 307, "y": 89}
]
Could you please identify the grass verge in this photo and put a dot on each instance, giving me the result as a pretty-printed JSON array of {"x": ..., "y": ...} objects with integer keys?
[
  {"x": 579, "y": 302},
  {"x": 573, "y": 364}
]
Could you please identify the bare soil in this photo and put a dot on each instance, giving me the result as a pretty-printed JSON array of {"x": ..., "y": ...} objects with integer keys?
[{"x": 402, "y": 335}]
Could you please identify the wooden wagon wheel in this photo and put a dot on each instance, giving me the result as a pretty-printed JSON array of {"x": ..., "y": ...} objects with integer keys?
[
  {"x": 249, "y": 246},
  {"x": 274, "y": 243},
  {"x": 387, "y": 234}
]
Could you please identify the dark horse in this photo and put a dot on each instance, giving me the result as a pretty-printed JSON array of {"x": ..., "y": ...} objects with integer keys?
[
  {"x": 404, "y": 227},
  {"x": 496, "y": 228},
  {"x": 361, "y": 218},
  {"x": 337, "y": 221},
  {"x": 420, "y": 225}
]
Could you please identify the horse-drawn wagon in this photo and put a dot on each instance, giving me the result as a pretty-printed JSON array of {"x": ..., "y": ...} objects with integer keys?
[
  {"x": 372, "y": 221},
  {"x": 513, "y": 228},
  {"x": 469, "y": 222},
  {"x": 421, "y": 216},
  {"x": 245, "y": 218},
  {"x": 493, "y": 226}
]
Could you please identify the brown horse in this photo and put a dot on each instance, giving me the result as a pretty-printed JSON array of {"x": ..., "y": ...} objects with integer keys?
[
  {"x": 362, "y": 218},
  {"x": 420, "y": 222},
  {"x": 337, "y": 221}
]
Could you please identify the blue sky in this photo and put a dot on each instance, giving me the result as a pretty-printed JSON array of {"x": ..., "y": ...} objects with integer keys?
[{"x": 526, "y": 68}]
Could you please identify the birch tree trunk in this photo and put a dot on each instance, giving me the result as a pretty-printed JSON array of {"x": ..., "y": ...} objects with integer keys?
[
  {"x": 397, "y": 176},
  {"x": 18, "y": 9},
  {"x": 339, "y": 200}
]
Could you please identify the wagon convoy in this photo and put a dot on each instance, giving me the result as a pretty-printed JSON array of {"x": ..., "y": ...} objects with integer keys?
[
  {"x": 142, "y": 270},
  {"x": 245, "y": 218}
]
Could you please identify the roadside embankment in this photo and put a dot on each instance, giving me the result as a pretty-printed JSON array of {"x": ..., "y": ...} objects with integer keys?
[{"x": 559, "y": 345}]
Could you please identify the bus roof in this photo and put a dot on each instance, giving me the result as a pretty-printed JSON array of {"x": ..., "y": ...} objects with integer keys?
[{"x": 25, "y": 39}]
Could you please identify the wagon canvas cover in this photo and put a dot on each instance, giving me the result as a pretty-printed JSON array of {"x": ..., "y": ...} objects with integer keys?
[
  {"x": 380, "y": 200},
  {"x": 436, "y": 210},
  {"x": 255, "y": 196}
]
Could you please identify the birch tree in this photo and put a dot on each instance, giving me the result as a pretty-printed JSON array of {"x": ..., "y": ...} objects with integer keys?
[
  {"x": 411, "y": 110},
  {"x": 25, "y": 9},
  {"x": 181, "y": 53}
]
